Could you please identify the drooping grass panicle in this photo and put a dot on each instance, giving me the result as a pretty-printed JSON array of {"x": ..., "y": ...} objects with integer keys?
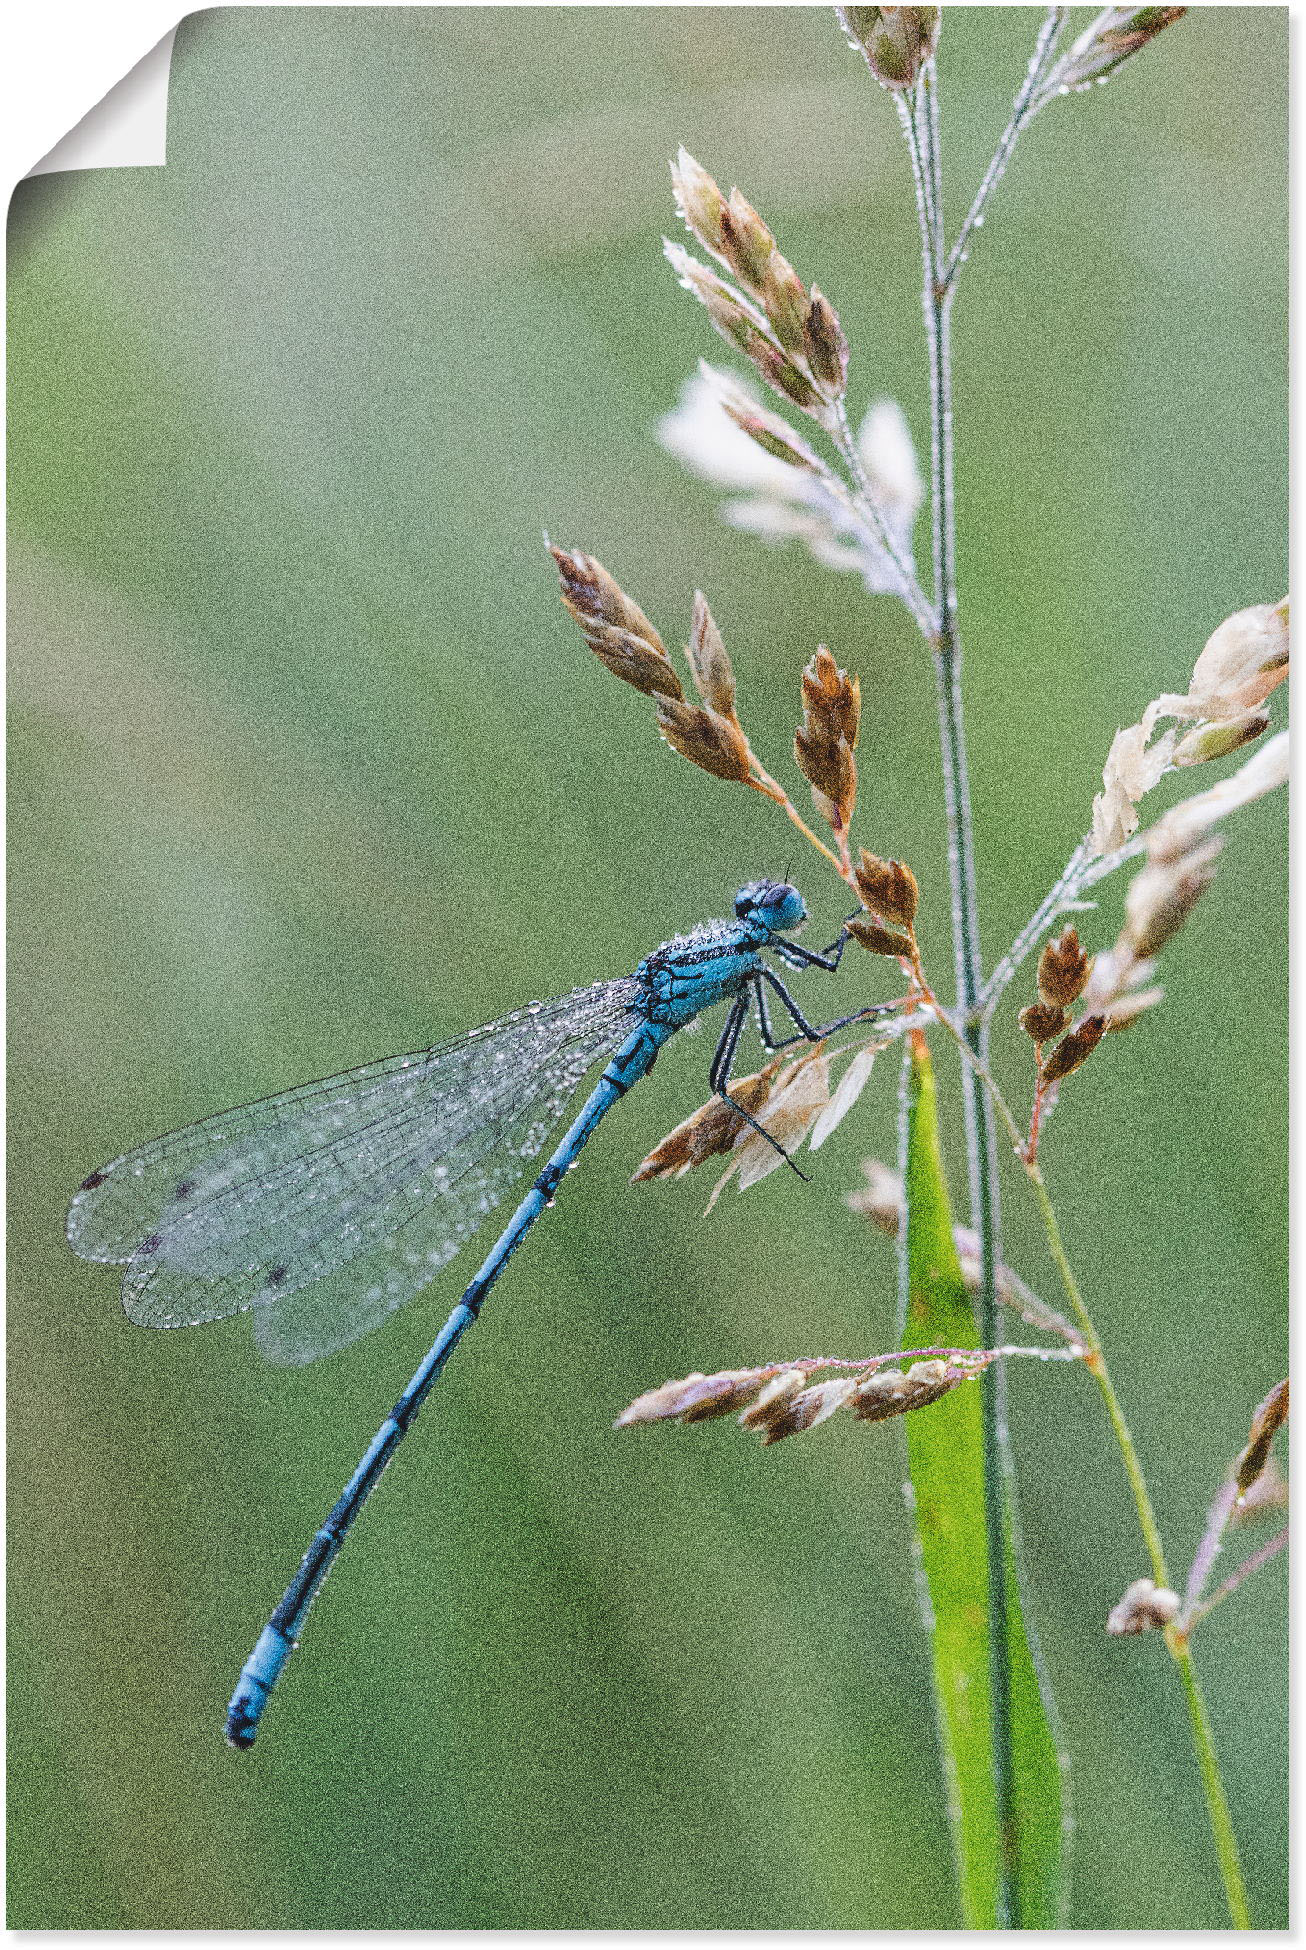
[{"x": 786, "y": 1398}]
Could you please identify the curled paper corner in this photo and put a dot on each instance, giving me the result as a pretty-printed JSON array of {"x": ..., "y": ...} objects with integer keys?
[{"x": 127, "y": 128}]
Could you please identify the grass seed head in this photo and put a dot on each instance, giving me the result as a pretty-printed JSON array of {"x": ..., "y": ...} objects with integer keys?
[
  {"x": 769, "y": 1405},
  {"x": 891, "y": 1392},
  {"x": 699, "y": 200},
  {"x": 825, "y": 742},
  {"x": 878, "y": 940},
  {"x": 1219, "y": 739},
  {"x": 1164, "y": 894},
  {"x": 897, "y": 41},
  {"x": 1267, "y": 1421},
  {"x": 710, "y": 1131},
  {"x": 746, "y": 243},
  {"x": 792, "y": 1414}
]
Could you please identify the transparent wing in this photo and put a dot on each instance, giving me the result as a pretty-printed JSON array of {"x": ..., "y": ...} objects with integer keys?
[{"x": 257, "y": 1203}]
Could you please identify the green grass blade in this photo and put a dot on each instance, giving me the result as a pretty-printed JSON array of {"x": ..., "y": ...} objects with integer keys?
[{"x": 945, "y": 1455}]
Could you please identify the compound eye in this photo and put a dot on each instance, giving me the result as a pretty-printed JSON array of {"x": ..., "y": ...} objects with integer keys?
[{"x": 785, "y": 906}]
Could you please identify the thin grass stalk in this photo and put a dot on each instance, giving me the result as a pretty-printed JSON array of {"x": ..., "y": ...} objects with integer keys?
[
  {"x": 1217, "y": 1804},
  {"x": 921, "y": 125}
]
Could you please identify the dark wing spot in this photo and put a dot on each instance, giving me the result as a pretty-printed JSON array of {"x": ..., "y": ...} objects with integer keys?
[
  {"x": 96, "y": 1178},
  {"x": 184, "y": 1188},
  {"x": 275, "y": 1276},
  {"x": 150, "y": 1245}
]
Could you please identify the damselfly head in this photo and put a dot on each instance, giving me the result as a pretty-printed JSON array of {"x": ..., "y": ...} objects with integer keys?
[{"x": 775, "y": 903}]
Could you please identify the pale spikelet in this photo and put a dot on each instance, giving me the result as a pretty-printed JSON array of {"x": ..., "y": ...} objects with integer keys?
[
  {"x": 885, "y": 444},
  {"x": 800, "y": 1093},
  {"x": 1243, "y": 661},
  {"x": 1241, "y": 664},
  {"x": 723, "y": 433},
  {"x": 1179, "y": 830},
  {"x": 1164, "y": 894},
  {"x": 713, "y": 743},
  {"x": 897, "y": 41},
  {"x": 714, "y": 678},
  {"x": 616, "y": 629},
  {"x": 698, "y": 1397},
  {"x": 1130, "y": 772},
  {"x": 880, "y": 1198},
  {"x": 850, "y": 1087},
  {"x": 1145, "y": 1607},
  {"x": 1268, "y": 1419},
  {"x": 1116, "y": 34},
  {"x": 710, "y": 1131},
  {"x": 825, "y": 742}
]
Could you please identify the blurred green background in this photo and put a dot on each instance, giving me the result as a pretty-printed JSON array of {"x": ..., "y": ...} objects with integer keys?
[{"x": 307, "y": 765}]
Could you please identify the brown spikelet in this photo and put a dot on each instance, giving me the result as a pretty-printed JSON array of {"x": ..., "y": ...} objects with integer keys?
[
  {"x": 791, "y": 1414},
  {"x": 1073, "y": 1049},
  {"x": 825, "y": 742},
  {"x": 714, "y": 678},
  {"x": 1269, "y": 1417},
  {"x": 710, "y": 1131},
  {"x": 891, "y": 1392},
  {"x": 825, "y": 346},
  {"x": 616, "y": 629},
  {"x": 1063, "y": 970},
  {"x": 1042, "y": 1021},
  {"x": 878, "y": 940},
  {"x": 713, "y": 743},
  {"x": 888, "y": 889},
  {"x": 785, "y": 302},
  {"x": 769, "y": 1405}
]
